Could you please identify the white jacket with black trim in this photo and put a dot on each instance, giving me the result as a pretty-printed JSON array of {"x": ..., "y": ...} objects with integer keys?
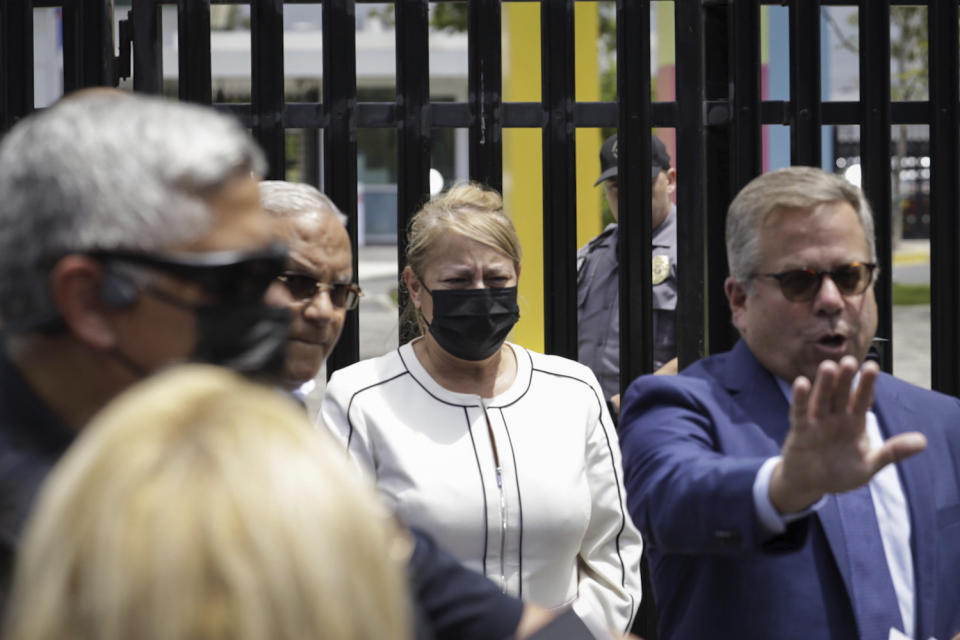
[{"x": 525, "y": 487}]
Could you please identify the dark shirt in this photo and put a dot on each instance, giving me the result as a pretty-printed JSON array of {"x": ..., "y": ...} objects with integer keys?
[
  {"x": 32, "y": 439},
  {"x": 455, "y": 603}
]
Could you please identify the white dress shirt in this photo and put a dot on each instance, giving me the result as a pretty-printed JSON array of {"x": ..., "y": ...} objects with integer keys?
[{"x": 889, "y": 503}]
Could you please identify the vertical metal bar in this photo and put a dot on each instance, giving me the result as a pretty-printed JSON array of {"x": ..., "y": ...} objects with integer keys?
[
  {"x": 340, "y": 145},
  {"x": 691, "y": 183},
  {"x": 485, "y": 87},
  {"x": 147, "y": 47},
  {"x": 944, "y": 194},
  {"x": 413, "y": 113},
  {"x": 875, "y": 152},
  {"x": 733, "y": 142},
  {"x": 193, "y": 36},
  {"x": 559, "y": 178},
  {"x": 747, "y": 159},
  {"x": 634, "y": 227},
  {"x": 87, "y": 44},
  {"x": 97, "y": 42},
  {"x": 266, "y": 53},
  {"x": 72, "y": 29},
  {"x": 16, "y": 61},
  {"x": 805, "y": 82},
  {"x": 635, "y": 197}
]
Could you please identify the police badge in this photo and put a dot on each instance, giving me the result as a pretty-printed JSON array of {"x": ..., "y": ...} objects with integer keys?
[{"x": 660, "y": 269}]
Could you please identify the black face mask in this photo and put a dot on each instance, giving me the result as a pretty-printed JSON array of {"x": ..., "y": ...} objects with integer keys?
[
  {"x": 239, "y": 331},
  {"x": 471, "y": 324},
  {"x": 249, "y": 338}
]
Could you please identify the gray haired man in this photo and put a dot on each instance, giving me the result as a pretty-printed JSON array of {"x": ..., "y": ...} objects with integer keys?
[
  {"x": 132, "y": 238},
  {"x": 319, "y": 287}
]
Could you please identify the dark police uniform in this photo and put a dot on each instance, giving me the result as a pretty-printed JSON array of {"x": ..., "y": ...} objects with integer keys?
[{"x": 598, "y": 302}]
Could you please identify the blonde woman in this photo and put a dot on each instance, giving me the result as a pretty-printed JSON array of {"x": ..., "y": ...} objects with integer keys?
[
  {"x": 507, "y": 457},
  {"x": 200, "y": 506}
]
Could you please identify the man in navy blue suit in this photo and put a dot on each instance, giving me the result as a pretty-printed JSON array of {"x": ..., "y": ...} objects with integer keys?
[{"x": 761, "y": 478}]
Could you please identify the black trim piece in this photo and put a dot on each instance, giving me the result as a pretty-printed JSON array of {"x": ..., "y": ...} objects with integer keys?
[
  {"x": 359, "y": 391},
  {"x": 483, "y": 490},
  {"x": 427, "y": 391}
]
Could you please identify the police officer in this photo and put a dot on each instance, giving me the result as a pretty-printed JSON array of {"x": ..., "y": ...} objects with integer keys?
[{"x": 598, "y": 287}]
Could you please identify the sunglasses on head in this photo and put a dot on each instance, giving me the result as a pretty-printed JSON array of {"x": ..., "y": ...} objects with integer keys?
[
  {"x": 231, "y": 276},
  {"x": 305, "y": 288},
  {"x": 802, "y": 285}
]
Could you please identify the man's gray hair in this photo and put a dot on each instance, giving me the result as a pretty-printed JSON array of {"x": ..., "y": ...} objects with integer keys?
[
  {"x": 105, "y": 171},
  {"x": 285, "y": 199},
  {"x": 790, "y": 188}
]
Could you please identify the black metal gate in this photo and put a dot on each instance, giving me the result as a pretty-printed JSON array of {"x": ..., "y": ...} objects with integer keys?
[{"x": 718, "y": 116}]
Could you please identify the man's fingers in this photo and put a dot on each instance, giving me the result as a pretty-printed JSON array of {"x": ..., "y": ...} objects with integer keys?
[
  {"x": 897, "y": 448},
  {"x": 847, "y": 370},
  {"x": 863, "y": 398},
  {"x": 824, "y": 386},
  {"x": 800, "y": 404}
]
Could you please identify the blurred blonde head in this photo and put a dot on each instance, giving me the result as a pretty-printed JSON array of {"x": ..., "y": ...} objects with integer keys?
[{"x": 202, "y": 506}]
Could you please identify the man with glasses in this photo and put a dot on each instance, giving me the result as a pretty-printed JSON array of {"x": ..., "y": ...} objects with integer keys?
[
  {"x": 318, "y": 281},
  {"x": 761, "y": 477},
  {"x": 131, "y": 238},
  {"x": 598, "y": 279}
]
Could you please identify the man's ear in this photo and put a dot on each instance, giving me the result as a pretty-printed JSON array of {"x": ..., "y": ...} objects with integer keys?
[
  {"x": 75, "y": 286},
  {"x": 414, "y": 288},
  {"x": 737, "y": 297},
  {"x": 671, "y": 175}
]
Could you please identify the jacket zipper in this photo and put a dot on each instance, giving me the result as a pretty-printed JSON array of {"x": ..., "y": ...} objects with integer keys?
[{"x": 503, "y": 501}]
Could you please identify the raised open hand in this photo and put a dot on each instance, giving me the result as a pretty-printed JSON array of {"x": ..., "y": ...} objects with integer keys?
[{"x": 827, "y": 449}]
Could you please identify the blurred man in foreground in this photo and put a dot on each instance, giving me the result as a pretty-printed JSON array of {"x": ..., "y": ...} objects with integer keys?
[{"x": 133, "y": 238}]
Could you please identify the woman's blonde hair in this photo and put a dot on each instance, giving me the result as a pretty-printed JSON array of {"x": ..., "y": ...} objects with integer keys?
[
  {"x": 201, "y": 506},
  {"x": 469, "y": 209}
]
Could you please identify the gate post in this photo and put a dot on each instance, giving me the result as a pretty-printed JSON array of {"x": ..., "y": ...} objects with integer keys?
[{"x": 16, "y": 61}]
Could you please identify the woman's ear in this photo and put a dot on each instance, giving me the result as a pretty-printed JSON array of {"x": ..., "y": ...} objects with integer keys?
[{"x": 414, "y": 288}]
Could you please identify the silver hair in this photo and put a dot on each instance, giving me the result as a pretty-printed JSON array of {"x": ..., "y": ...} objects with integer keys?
[
  {"x": 790, "y": 188},
  {"x": 100, "y": 170},
  {"x": 284, "y": 199}
]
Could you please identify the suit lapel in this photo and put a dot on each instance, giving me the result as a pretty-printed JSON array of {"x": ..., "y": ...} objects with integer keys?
[
  {"x": 757, "y": 392},
  {"x": 895, "y": 414}
]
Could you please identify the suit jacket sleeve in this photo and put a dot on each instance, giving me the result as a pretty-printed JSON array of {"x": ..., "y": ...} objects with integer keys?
[{"x": 690, "y": 460}]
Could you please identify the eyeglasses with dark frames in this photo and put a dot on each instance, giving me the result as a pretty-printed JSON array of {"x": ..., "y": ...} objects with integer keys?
[
  {"x": 305, "y": 288},
  {"x": 802, "y": 285},
  {"x": 231, "y": 276}
]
